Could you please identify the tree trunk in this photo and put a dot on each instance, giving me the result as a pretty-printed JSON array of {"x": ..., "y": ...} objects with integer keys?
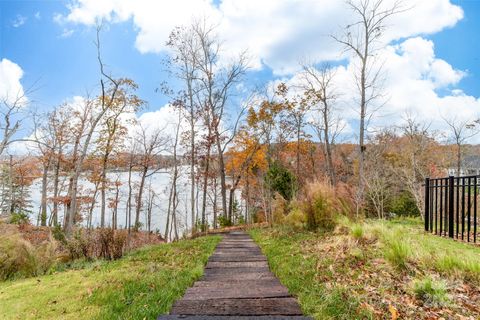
[
  {"x": 221, "y": 171},
  {"x": 43, "y": 210},
  {"x": 139, "y": 198}
]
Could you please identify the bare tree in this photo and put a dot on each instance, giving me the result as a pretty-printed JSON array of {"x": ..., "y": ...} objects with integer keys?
[
  {"x": 89, "y": 118},
  {"x": 320, "y": 91},
  {"x": 186, "y": 49},
  {"x": 150, "y": 146},
  {"x": 363, "y": 38},
  {"x": 10, "y": 118},
  {"x": 217, "y": 83},
  {"x": 460, "y": 132}
]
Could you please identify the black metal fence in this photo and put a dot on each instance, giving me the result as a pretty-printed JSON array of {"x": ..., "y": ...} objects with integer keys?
[{"x": 451, "y": 206}]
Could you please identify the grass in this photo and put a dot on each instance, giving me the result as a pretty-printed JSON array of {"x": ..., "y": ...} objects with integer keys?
[
  {"x": 375, "y": 269},
  {"x": 141, "y": 285},
  {"x": 432, "y": 292}
]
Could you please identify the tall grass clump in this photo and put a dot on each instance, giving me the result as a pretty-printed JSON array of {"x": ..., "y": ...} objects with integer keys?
[
  {"x": 397, "y": 252},
  {"x": 357, "y": 231},
  {"x": 19, "y": 258},
  {"x": 431, "y": 292},
  {"x": 322, "y": 204}
]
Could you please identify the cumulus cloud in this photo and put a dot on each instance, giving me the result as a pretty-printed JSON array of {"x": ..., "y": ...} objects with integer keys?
[
  {"x": 11, "y": 88},
  {"x": 276, "y": 33},
  {"x": 413, "y": 77}
]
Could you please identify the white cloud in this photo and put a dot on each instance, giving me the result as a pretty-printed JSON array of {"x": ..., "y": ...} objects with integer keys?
[
  {"x": 10, "y": 86},
  {"x": 19, "y": 21},
  {"x": 276, "y": 33},
  {"x": 66, "y": 33},
  {"x": 37, "y": 15},
  {"x": 416, "y": 82}
]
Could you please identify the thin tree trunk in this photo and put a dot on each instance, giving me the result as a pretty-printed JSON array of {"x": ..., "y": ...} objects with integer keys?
[
  {"x": 43, "y": 210},
  {"x": 139, "y": 198}
]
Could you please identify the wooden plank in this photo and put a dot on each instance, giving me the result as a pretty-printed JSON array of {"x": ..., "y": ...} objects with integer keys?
[
  {"x": 218, "y": 284},
  {"x": 236, "y": 264},
  {"x": 236, "y": 257},
  {"x": 238, "y": 277},
  {"x": 203, "y": 317},
  {"x": 235, "y": 292},
  {"x": 238, "y": 307},
  {"x": 236, "y": 270}
]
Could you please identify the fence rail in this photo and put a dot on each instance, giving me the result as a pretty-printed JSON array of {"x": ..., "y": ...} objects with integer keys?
[{"x": 451, "y": 206}]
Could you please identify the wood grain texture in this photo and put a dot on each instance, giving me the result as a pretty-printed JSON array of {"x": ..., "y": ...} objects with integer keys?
[{"x": 236, "y": 284}]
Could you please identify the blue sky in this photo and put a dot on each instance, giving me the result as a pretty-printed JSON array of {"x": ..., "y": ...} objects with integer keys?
[{"x": 52, "y": 43}]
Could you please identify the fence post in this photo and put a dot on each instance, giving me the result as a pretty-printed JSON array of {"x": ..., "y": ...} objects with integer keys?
[
  {"x": 427, "y": 204},
  {"x": 451, "y": 189}
]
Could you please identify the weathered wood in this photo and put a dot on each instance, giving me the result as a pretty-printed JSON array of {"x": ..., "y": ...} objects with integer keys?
[
  {"x": 237, "y": 284},
  {"x": 242, "y": 276},
  {"x": 237, "y": 257},
  {"x": 236, "y": 264},
  {"x": 238, "y": 307},
  {"x": 202, "y": 317},
  {"x": 236, "y": 270},
  {"x": 233, "y": 283},
  {"x": 236, "y": 292}
]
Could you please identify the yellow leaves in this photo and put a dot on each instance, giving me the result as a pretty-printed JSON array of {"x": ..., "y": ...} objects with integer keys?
[{"x": 393, "y": 312}]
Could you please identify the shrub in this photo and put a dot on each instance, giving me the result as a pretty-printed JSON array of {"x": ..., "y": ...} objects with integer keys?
[
  {"x": 222, "y": 220},
  {"x": 296, "y": 219},
  {"x": 281, "y": 180},
  {"x": 112, "y": 243},
  {"x": 404, "y": 204},
  {"x": 19, "y": 218},
  {"x": 321, "y": 206},
  {"x": 19, "y": 258},
  {"x": 279, "y": 209},
  {"x": 431, "y": 292},
  {"x": 397, "y": 252},
  {"x": 81, "y": 245}
]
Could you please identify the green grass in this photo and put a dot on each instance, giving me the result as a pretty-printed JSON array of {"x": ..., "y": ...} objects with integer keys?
[
  {"x": 366, "y": 269},
  {"x": 297, "y": 269},
  {"x": 432, "y": 292},
  {"x": 141, "y": 285}
]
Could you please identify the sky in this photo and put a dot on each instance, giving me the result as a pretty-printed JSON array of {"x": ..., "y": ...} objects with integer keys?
[{"x": 431, "y": 51}]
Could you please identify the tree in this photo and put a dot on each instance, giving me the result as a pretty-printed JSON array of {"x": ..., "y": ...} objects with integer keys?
[
  {"x": 88, "y": 118},
  {"x": 10, "y": 117},
  {"x": 186, "y": 49},
  {"x": 113, "y": 132},
  {"x": 217, "y": 83},
  {"x": 151, "y": 144},
  {"x": 320, "y": 93},
  {"x": 295, "y": 120},
  {"x": 362, "y": 37},
  {"x": 460, "y": 132},
  {"x": 245, "y": 156}
]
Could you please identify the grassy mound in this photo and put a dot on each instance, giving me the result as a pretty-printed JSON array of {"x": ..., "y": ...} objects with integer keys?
[
  {"x": 141, "y": 285},
  {"x": 376, "y": 269}
]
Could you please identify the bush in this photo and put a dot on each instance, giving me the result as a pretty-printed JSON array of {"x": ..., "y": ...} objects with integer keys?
[
  {"x": 223, "y": 221},
  {"x": 19, "y": 258},
  {"x": 405, "y": 205},
  {"x": 431, "y": 292},
  {"x": 296, "y": 219},
  {"x": 19, "y": 218},
  {"x": 112, "y": 243},
  {"x": 279, "y": 209},
  {"x": 281, "y": 180},
  {"x": 321, "y": 206}
]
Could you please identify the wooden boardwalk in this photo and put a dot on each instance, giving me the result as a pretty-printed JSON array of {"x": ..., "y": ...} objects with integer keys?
[{"x": 237, "y": 284}]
